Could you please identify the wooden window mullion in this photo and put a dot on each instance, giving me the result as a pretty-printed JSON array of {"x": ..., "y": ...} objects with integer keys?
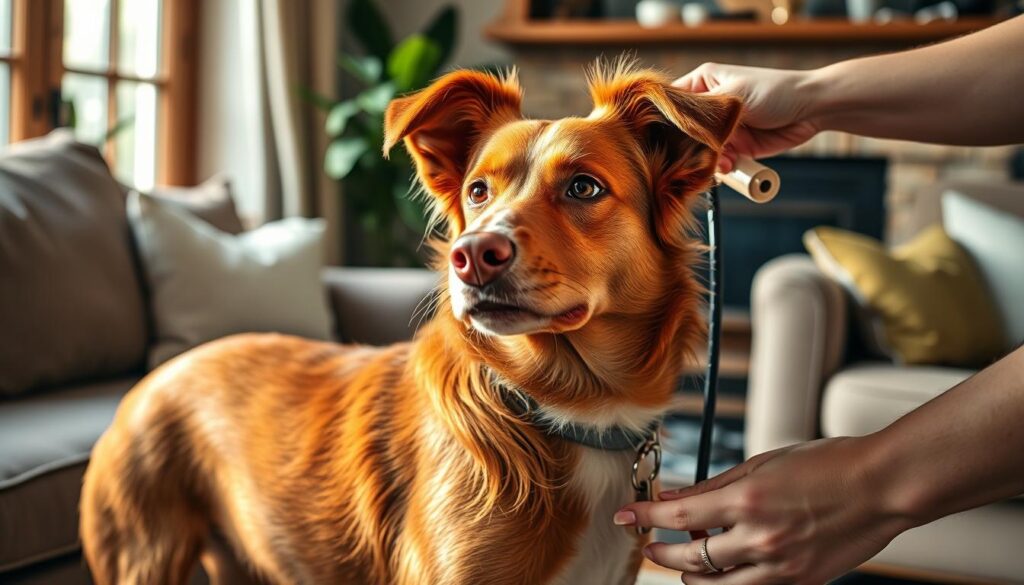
[
  {"x": 113, "y": 37},
  {"x": 177, "y": 103},
  {"x": 35, "y": 67}
]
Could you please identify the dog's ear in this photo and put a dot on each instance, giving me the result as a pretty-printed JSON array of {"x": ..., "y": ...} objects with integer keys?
[
  {"x": 681, "y": 134},
  {"x": 442, "y": 126}
]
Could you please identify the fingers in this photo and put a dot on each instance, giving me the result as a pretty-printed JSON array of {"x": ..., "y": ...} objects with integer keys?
[
  {"x": 696, "y": 513},
  {"x": 724, "y": 550},
  {"x": 700, "y": 80},
  {"x": 726, "y": 162},
  {"x": 692, "y": 82}
]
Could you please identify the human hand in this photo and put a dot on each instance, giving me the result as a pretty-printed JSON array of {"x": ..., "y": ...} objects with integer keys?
[
  {"x": 800, "y": 515},
  {"x": 776, "y": 107}
]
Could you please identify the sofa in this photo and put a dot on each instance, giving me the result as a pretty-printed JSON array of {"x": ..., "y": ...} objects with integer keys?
[
  {"x": 74, "y": 331},
  {"x": 810, "y": 377}
]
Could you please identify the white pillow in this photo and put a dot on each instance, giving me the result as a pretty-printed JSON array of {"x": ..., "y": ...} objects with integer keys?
[
  {"x": 996, "y": 241},
  {"x": 205, "y": 284}
]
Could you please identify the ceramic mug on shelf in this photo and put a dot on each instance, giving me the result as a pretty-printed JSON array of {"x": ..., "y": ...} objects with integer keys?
[
  {"x": 655, "y": 13},
  {"x": 861, "y": 11},
  {"x": 694, "y": 13}
]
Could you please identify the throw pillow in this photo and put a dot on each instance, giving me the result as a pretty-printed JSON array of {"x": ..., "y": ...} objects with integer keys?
[
  {"x": 995, "y": 239},
  {"x": 206, "y": 284},
  {"x": 211, "y": 201},
  {"x": 71, "y": 307},
  {"x": 924, "y": 302}
]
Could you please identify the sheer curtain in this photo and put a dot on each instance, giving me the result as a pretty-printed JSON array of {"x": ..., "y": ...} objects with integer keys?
[{"x": 255, "y": 126}]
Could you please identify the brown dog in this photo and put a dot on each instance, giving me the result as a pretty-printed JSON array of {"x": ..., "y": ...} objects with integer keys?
[{"x": 569, "y": 282}]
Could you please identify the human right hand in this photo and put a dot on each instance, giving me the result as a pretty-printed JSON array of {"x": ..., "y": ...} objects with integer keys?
[{"x": 777, "y": 105}]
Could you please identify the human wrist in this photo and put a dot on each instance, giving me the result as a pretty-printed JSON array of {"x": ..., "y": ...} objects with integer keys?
[
  {"x": 890, "y": 472},
  {"x": 815, "y": 92}
]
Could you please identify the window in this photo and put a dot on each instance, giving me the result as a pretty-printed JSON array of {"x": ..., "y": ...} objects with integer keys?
[
  {"x": 112, "y": 81},
  {"x": 120, "y": 72}
]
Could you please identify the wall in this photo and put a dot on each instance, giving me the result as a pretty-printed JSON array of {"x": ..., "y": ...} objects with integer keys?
[{"x": 409, "y": 16}]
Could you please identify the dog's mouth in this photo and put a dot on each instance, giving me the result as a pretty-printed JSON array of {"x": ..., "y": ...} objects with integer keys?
[
  {"x": 501, "y": 311},
  {"x": 505, "y": 318}
]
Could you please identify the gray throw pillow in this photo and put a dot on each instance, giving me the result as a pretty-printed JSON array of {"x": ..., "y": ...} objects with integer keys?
[
  {"x": 996, "y": 241},
  {"x": 71, "y": 305},
  {"x": 206, "y": 284}
]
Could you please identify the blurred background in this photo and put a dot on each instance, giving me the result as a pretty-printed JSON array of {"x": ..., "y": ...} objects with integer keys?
[{"x": 284, "y": 101}]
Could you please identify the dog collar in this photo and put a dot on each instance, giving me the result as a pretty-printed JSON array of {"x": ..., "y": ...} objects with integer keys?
[{"x": 616, "y": 438}]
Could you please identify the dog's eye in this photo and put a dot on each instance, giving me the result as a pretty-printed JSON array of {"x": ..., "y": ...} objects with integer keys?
[
  {"x": 584, "y": 187},
  {"x": 478, "y": 193}
]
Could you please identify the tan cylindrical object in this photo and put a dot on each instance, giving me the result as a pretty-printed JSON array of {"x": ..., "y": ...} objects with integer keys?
[{"x": 752, "y": 179}]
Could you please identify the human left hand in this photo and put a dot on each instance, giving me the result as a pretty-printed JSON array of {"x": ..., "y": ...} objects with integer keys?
[{"x": 800, "y": 515}]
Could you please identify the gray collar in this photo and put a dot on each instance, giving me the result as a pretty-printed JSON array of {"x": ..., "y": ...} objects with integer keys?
[{"x": 610, "y": 439}]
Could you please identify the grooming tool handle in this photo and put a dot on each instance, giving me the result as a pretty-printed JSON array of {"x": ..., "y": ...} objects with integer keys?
[{"x": 752, "y": 179}]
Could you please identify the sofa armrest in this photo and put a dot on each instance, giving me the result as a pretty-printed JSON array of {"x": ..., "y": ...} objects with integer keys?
[
  {"x": 377, "y": 305},
  {"x": 799, "y": 321}
]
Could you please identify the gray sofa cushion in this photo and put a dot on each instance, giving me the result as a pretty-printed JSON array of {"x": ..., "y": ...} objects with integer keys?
[
  {"x": 45, "y": 440},
  {"x": 378, "y": 306},
  {"x": 71, "y": 304}
]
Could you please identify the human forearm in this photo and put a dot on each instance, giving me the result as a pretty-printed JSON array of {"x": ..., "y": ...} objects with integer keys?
[
  {"x": 961, "y": 450},
  {"x": 967, "y": 91}
]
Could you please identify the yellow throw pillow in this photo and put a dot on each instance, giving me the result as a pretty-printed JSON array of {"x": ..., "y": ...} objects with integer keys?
[{"x": 925, "y": 301}]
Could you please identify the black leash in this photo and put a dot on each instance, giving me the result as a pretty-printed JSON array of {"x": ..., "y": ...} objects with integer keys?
[{"x": 707, "y": 417}]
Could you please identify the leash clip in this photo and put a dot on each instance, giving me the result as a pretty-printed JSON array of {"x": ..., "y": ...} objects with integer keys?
[{"x": 644, "y": 484}]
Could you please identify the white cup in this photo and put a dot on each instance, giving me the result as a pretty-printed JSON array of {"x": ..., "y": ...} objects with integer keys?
[
  {"x": 694, "y": 13},
  {"x": 655, "y": 13},
  {"x": 861, "y": 10}
]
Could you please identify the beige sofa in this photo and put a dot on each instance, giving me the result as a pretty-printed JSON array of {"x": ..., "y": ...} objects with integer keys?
[
  {"x": 74, "y": 333},
  {"x": 809, "y": 379}
]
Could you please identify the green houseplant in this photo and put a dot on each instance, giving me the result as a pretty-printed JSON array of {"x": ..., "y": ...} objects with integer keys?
[{"x": 377, "y": 190}]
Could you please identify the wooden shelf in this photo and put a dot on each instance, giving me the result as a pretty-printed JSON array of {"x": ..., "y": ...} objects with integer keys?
[
  {"x": 825, "y": 31},
  {"x": 693, "y": 404}
]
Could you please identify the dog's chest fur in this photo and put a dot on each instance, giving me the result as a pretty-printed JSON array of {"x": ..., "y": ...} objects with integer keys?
[{"x": 604, "y": 553}]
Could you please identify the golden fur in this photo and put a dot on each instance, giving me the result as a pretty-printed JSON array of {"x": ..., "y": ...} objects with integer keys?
[{"x": 324, "y": 463}]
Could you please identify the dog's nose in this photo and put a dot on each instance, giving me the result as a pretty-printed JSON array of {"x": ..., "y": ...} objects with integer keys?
[{"x": 480, "y": 257}]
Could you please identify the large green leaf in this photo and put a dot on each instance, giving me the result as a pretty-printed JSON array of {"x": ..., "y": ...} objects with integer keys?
[
  {"x": 376, "y": 99},
  {"x": 342, "y": 155},
  {"x": 443, "y": 31},
  {"x": 366, "y": 69},
  {"x": 413, "y": 63},
  {"x": 368, "y": 25},
  {"x": 338, "y": 117}
]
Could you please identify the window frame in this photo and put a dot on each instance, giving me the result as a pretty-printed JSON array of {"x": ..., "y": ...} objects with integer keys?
[{"x": 36, "y": 66}]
